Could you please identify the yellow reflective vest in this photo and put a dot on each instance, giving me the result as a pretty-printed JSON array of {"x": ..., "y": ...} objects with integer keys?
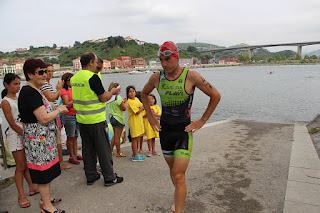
[{"x": 89, "y": 109}]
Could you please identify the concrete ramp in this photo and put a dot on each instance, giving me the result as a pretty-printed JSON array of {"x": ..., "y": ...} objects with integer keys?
[{"x": 236, "y": 166}]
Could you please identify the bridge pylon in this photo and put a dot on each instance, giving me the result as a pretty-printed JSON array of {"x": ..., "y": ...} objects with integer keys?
[{"x": 251, "y": 53}]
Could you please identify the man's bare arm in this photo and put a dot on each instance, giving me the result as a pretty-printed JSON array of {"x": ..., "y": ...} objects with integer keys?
[
  {"x": 198, "y": 81},
  {"x": 148, "y": 88}
]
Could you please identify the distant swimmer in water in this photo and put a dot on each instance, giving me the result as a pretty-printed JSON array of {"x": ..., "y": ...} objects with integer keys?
[{"x": 270, "y": 73}]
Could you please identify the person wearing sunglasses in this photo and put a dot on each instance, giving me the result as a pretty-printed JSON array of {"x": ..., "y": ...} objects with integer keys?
[
  {"x": 176, "y": 86},
  {"x": 39, "y": 133}
]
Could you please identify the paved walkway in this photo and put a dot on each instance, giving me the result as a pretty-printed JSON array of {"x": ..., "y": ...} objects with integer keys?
[
  {"x": 236, "y": 166},
  {"x": 303, "y": 187}
]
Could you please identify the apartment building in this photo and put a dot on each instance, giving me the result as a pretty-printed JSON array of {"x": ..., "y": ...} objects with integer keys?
[
  {"x": 125, "y": 61},
  {"x": 76, "y": 64},
  {"x": 138, "y": 62},
  {"x": 116, "y": 64}
]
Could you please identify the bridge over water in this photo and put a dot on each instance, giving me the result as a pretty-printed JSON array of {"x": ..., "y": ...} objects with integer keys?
[{"x": 252, "y": 47}]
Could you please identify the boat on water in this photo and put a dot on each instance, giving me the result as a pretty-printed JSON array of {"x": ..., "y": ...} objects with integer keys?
[{"x": 135, "y": 72}]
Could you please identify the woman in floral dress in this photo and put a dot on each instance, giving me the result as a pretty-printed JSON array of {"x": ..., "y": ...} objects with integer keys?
[{"x": 39, "y": 136}]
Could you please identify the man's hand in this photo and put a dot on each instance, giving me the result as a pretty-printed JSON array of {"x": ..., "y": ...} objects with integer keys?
[
  {"x": 115, "y": 91},
  {"x": 154, "y": 122},
  {"x": 194, "y": 126}
]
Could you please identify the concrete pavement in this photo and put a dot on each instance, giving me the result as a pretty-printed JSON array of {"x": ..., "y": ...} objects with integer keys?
[{"x": 236, "y": 166}]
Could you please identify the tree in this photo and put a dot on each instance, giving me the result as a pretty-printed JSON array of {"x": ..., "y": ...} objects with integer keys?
[
  {"x": 54, "y": 46},
  {"x": 314, "y": 57},
  {"x": 243, "y": 58},
  {"x": 278, "y": 57},
  {"x": 191, "y": 49},
  {"x": 31, "y": 48},
  {"x": 271, "y": 59},
  {"x": 76, "y": 43},
  {"x": 298, "y": 57}
]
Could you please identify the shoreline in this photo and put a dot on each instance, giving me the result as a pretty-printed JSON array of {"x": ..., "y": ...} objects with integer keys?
[
  {"x": 153, "y": 69},
  {"x": 315, "y": 137}
]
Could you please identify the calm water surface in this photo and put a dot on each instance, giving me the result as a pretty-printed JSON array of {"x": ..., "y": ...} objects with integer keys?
[{"x": 248, "y": 92}]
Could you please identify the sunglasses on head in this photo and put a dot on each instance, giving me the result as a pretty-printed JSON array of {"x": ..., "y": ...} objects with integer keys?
[
  {"x": 41, "y": 72},
  {"x": 166, "y": 53}
]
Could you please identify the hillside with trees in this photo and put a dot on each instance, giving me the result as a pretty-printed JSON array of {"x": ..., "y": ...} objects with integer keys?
[{"x": 114, "y": 47}]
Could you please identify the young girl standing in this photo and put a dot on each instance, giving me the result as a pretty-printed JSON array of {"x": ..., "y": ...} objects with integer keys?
[
  {"x": 117, "y": 119},
  {"x": 152, "y": 134},
  {"x": 13, "y": 134},
  {"x": 69, "y": 120},
  {"x": 135, "y": 121}
]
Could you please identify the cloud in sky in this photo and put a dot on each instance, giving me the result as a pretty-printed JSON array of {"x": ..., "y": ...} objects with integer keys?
[{"x": 224, "y": 23}]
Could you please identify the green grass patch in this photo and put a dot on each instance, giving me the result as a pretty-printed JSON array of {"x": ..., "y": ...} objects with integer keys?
[{"x": 314, "y": 130}]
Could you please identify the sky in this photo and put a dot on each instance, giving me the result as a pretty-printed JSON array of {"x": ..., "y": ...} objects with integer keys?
[{"x": 223, "y": 23}]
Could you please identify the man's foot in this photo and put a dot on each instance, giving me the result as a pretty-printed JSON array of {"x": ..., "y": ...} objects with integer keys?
[
  {"x": 149, "y": 154},
  {"x": 64, "y": 166},
  {"x": 173, "y": 208},
  {"x": 112, "y": 182},
  {"x": 23, "y": 202},
  {"x": 138, "y": 158},
  {"x": 90, "y": 182},
  {"x": 73, "y": 161}
]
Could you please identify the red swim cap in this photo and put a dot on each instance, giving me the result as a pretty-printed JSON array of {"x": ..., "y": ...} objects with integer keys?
[{"x": 169, "y": 45}]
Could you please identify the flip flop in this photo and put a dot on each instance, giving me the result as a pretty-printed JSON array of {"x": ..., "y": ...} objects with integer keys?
[
  {"x": 31, "y": 193},
  {"x": 121, "y": 155},
  {"x": 24, "y": 204},
  {"x": 173, "y": 208},
  {"x": 54, "y": 202}
]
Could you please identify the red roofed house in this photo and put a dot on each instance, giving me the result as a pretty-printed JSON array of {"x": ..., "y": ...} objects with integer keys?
[
  {"x": 138, "y": 62},
  {"x": 126, "y": 61},
  {"x": 106, "y": 65},
  {"x": 115, "y": 63},
  {"x": 76, "y": 64},
  {"x": 19, "y": 65},
  {"x": 228, "y": 60}
]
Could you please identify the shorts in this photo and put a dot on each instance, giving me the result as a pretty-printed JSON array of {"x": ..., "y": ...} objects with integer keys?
[
  {"x": 175, "y": 142},
  {"x": 14, "y": 141},
  {"x": 116, "y": 123},
  {"x": 71, "y": 125}
]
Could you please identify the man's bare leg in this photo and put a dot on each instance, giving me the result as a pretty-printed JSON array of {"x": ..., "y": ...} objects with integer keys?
[{"x": 178, "y": 167}]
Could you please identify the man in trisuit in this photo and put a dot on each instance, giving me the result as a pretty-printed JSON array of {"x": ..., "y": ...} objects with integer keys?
[{"x": 176, "y": 86}]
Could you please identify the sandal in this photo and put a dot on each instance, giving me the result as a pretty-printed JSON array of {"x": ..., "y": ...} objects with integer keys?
[
  {"x": 56, "y": 211},
  {"x": 121, "y": 155},
  {"x": 79, "y": 157},
  {"x": 54, "y": 202},
  {"x": 22, "y": 204},
  {"x": 64, "y": 166},
  {"x": 31, "y": 193},
  {"x": 173, "y": 208}
]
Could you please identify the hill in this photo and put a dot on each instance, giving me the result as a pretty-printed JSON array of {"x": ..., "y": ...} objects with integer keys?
[
  {"x": 114, "y": 47},
  {"x": 316, "y": 52}
]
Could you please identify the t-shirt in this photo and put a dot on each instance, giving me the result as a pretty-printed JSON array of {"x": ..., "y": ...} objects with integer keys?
[
  {"x": 46, "y": 87},
  {"x": 29, "y": 99},
  {"x": 69, "y": 94},
  {"x": 115, "y": 110},
  {"x": 96, "y": 84}
]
